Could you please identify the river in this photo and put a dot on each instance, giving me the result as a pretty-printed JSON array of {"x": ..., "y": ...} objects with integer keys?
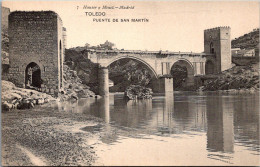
[{"x": 184, "y": 128}]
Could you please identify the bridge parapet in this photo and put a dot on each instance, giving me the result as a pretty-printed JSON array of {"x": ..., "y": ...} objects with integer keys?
[{"x": 162, "y": 53}]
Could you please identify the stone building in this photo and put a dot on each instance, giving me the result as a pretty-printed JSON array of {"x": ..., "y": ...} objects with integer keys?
[
  {"x": 217, "y": 42},
  {"x": 36, "y": 50},
  {"x": 243, "y": 52}
]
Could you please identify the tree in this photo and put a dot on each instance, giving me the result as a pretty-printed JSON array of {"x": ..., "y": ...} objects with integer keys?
[
  {"x": 107, "y": 45},
  {"x": 87, "y": 45}
]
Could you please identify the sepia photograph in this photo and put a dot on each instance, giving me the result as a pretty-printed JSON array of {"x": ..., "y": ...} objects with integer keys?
[{"x": 130, "y": 83}]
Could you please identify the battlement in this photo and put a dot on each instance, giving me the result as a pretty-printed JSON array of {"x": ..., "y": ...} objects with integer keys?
[
  {"x": 217, "y": 28},
  {"x": 34, "y": 13},
  {"x": 24, "y": 15}
]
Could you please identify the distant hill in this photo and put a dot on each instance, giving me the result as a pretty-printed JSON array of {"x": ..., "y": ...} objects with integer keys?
[{"x": 247, "y": 41}]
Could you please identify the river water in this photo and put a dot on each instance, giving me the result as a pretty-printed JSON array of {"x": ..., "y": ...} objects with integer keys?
[{"x": 184, "y": 128}]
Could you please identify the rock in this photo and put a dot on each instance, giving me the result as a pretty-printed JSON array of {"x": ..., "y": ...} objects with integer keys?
[
  {"x": 74, "y": 96},
  {"x": 46, "y": 100},
  {"x": 238, "y": 77},
  {"x": 30, "y": 105},
  {"x": 6, "y": 106},
  {"x": 97, "y": 96},
  {"x": 40, "y": 101},
  {"x": 26, "y": 104},
  {"x": 138, "y": 92},
  {"x": 73, "y": 87},
  {"x": 14, "y": 97}
]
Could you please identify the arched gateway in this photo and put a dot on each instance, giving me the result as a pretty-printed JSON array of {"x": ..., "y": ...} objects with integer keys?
[{"x": 33, "y": 76}]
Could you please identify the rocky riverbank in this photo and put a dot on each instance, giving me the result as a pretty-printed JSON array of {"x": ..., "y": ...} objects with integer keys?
[
  {"x": 73, "y": 87},
  {"x": 14, "y": 97},
  {"x": 238, "y": 78},
  {"x": 19, "y": 98}
]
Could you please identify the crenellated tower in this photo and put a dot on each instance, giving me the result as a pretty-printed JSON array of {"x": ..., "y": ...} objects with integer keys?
[{"x": 217, "y": 41}]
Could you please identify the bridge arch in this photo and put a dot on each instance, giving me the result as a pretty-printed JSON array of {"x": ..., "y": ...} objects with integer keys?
[
  {"x": 150, "y": 68},
  {"x": 183, "y": 72},
  {"x": 187, "y": 62}
]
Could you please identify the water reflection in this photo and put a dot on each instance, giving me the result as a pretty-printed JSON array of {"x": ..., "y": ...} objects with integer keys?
[
  {"x": 103, "y": 108},
  {"x": 226, "y": 120},
  {"x": 75, "y": 106},
  {"x": 220, "y": 132},
  {"x": 164, "y": 119},
  {"x": 246, "y": 122}
]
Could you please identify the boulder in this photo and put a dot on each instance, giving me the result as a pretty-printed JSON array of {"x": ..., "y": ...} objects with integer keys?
[
  {"x": 73, "y": 87},
  {"x": 138, "y": 92},
  {"x": 14, "y": 97},
  {"x": 6, "y": 106}
]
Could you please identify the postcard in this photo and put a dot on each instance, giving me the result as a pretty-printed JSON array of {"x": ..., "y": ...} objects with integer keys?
[{"x": 119, "y": 83}]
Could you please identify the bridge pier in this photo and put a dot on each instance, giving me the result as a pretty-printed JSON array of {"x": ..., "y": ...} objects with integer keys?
[
  {"x": 162, "y": 85},
  {"x": 103, "y": 81},
  {"x": 190, "y": 80}
]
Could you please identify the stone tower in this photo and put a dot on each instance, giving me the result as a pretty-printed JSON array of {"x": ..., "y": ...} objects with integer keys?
[
  {"x": 36, "y": 50},
  {"x": 217, "y": 41}
]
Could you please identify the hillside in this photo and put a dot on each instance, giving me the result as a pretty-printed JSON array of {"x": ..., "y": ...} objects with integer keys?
[
  {"x": 249, "y": 40},
  {"x": 240, "y": 78}
]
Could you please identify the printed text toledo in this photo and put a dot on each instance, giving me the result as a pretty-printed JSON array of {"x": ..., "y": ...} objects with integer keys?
[{"x": 99, "y": 15}]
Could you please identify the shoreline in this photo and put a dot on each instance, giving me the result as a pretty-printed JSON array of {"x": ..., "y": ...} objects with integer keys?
[{"x": 44, "y": 134}]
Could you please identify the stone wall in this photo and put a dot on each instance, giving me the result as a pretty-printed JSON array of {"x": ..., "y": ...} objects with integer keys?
[
  {"x": 4, "y": 21},
  {"x": 64, "y": 37},
  {"x": 35, "y": 37},
  {"x": 61, "y": 51}
]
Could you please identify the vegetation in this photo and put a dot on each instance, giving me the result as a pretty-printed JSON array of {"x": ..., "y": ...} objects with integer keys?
[
  {"x": 134, "y": 92},
  {"x": 179, "y": 74},
  {"x": 247, "y": 41},
  {"x": 105, "y": 46},
  {"x": 237, "y": 78},
  {"x": 130, "y": 72}
]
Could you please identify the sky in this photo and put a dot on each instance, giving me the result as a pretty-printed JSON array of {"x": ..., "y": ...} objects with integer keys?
[{"x": 173, "y": 25}]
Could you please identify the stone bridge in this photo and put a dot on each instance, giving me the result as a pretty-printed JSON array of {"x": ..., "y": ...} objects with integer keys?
[
  {"x": 215, "y": 58},
  {"x": 159, "y": 64}
]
